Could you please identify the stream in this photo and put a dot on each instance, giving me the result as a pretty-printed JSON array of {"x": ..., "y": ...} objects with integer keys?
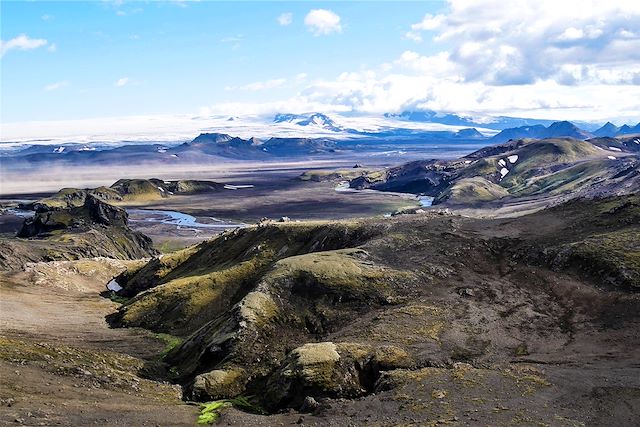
[{"x": 179, "y": 219}]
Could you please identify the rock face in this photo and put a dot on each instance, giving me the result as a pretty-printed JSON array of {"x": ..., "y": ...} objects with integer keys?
[
  {"x": 92, "y": 229},
  {"x": 326, "y": 369},
  {"x": 93, "y": 211},
  {"x": 297, "y": 313}
]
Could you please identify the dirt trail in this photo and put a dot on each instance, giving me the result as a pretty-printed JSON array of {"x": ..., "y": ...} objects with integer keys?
[{"x": 60, "y": 363}]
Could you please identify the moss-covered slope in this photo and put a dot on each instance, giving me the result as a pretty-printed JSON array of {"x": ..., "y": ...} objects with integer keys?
[
  {"x": 523, "y": 168},
  {"x": 284, "y": 311}
]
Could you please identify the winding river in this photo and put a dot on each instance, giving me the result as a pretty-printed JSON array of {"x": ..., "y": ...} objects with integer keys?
[{"x": 179, "y": 219}]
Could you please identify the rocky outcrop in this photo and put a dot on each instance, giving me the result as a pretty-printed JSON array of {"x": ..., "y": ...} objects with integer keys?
[
  {"x": 93, "y": 229},
  {"x": 93, "y": 211},
  {"x": 325, "y": 369}
]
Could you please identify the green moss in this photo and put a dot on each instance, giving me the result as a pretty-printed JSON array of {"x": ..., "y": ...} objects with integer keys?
[
  {"x": 170, "y": 342},
  {"x": 220, "y": 383},
  {"x": 617, "y": 254},
  {"x": 117, "y": 298},
  {"x": 337, "y": 271},
  {"x": 191, "y": 300},
  {"x": 521, "y": 350},
  {"x": 315, "y": 364},
  {"x": 471, "y": 191},
  {"x": 210, "y": 411},
  {"x": 343, "y": 175}
]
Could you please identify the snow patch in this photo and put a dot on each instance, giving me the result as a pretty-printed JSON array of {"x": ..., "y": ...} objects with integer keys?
[
  {"x": 512, "y": 159},
  {"x": 614, "y": 149},
  {"x": 236, "y": 187},
  {"x": 114, "y": 286},
  {"x": 502, "y": 163},
  {"x": 611, "y": 158},
  {"x": 161, "y": 189},
  {"x": 466, "y": 162},
  {"x": 504, "y": 172}
]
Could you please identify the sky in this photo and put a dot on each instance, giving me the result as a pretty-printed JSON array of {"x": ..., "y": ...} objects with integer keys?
[{"x": 576, "y": 60}]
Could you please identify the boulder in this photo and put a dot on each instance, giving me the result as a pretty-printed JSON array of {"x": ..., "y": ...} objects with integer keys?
[
  {"x": 326, "y": 369},
  {"x": 219, "y": 384}
]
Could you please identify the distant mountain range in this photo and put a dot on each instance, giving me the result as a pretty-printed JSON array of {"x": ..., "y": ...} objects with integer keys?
[
  {"x": 496, "y": 123},
  {"x": 315, "y": 135},
  {"x": 510, "y": 127},
  {"x": 563, "y": 129}
]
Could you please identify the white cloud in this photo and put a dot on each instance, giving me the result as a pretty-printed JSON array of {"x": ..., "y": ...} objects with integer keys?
[
  {"x": 574, "y": 60},
  {"x": 322, "y": 22},
  {"x": 122, "y": 82},
  {"x": 56, "y": 85},
  {"x": 256, "y": 86},
  {"x": 521, "y": 42},
  {"x": 285, "y": 18},
  {"x": 428, "y": 23},
  {"x": 52, "y": 47},
  {"x": 22, "y": 42}
]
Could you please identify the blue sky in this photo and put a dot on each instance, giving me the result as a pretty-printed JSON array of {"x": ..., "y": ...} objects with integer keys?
[
  {"x": 575, "y": 59},
  {"x": 178, "y": 57}
]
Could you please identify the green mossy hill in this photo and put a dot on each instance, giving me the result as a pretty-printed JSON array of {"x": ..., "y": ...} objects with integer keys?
[
  {"x": 206, "y": 278},
  {"x": 322, "y": 175},
  {"x": 135, "y": 190},
  {"x": 123, "y": 191},
  {"x": 604, "y": 242},
  {"x": 140, "y": 189},
  {"x": 286, "y": 311},
  {"x": 73, "y": 198},
  {"x": 472, "y": 190},
  {"x": 522, "y": 168}
]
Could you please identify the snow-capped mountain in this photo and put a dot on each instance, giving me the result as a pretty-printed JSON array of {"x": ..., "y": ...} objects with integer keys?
[{"x": 310, "y": 119}]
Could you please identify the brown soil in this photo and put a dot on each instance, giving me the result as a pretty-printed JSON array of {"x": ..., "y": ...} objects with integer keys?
[{"x": 60, "y": 364}]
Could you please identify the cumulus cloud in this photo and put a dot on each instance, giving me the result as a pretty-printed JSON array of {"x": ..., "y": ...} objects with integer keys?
[
  {"x": 575, "y": 60},
  {"x": 548, "y": 59},
  {"x": 22, "y": 42},
  {"x": 56, "y": 85},
  {"x": 428, "y": 23},
  {"x": 122, "y": 82},
  {"x": 521, "y": 42},
  {"x": 322, "y": 22},
  {"x": 285, "y": 18}
]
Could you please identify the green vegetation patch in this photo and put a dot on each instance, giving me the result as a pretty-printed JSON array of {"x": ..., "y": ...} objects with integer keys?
[
  {"x": 210, "y": 411},
  {"x": 340, "y": 272}
]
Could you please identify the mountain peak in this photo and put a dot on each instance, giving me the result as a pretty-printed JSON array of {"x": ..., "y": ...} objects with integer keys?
[
  {"x": 308, "y": 119},
  {"x": 608, "y": 129}
]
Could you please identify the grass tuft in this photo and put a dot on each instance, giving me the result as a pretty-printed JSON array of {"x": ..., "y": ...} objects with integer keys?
[{"x": 210, "y": 411}]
